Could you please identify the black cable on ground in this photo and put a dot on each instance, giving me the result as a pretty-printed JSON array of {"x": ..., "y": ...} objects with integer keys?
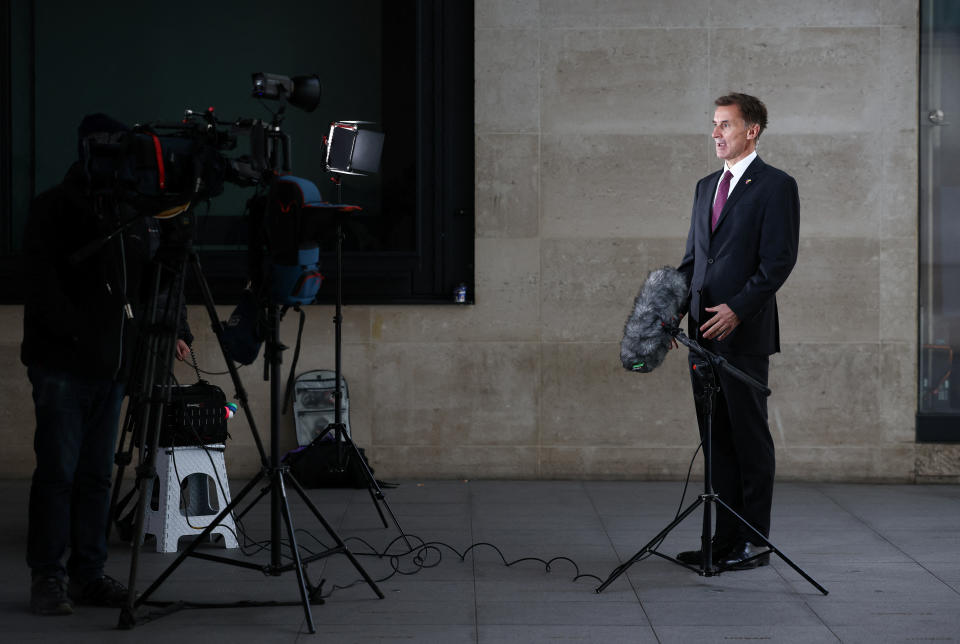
[{"x": 428, "y": 554}]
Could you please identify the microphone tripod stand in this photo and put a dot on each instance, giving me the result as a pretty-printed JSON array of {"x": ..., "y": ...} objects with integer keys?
[
  {"x": 156, "y": 382},
  {"x": 708, "y": 371}
]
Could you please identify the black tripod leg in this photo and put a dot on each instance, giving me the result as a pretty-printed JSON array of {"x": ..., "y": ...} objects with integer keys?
[
  {"x": 341, "y": 546},
  {"x": 131, "y": 430},
  {"x": 265, "y": 491},
  {"x": 797, "y": 568},
  {"x": 651, "y": 545},
  {"x": 772, "y": 547},
  {"x": 295, "y": 550},
  {"x": 375, "y": 497},
  {"x": 378, "y": 496},
  {"x": 376, "y": 492},
  {"x": 121, "y": 459},
  {"x": 155, "y": 393}
]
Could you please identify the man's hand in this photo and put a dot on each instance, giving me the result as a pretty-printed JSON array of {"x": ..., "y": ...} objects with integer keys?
[
  {"x": 721, "y": 324},
  {"x": 182, "y": 350}
]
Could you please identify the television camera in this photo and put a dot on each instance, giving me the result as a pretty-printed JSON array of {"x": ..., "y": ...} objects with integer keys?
[
  {"x": 161, "y": 169},
  {"x": 185, "y": 161}
]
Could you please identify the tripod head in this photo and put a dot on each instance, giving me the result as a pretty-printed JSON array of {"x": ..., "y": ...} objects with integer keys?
[{"x": 713, "y": 362}]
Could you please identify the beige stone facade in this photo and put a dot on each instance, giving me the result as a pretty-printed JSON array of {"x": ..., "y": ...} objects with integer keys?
[{"x": 592, "y": 127}]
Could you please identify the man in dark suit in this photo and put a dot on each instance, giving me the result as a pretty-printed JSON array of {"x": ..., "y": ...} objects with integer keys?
[{"x": 741, "y": 248}]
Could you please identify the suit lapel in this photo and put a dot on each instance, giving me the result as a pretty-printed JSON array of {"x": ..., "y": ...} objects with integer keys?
[
  {"x": 746, "y": 182},
  {"x": 706, "y": 212}
]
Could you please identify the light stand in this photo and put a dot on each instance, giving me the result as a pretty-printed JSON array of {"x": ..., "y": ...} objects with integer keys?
[
  {"x": 338, "y": 427},
  {"x": 707, "y": 370}
]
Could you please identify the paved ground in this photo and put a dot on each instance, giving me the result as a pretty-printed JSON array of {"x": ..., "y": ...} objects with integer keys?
[{"x": 889, "y": 556}]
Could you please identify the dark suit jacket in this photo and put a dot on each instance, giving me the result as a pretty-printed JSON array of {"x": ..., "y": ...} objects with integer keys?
[{"x": 746, "y": 259}]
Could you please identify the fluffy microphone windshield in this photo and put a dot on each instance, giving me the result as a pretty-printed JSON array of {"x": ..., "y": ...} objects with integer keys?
[{"x": 645, "y": 342}]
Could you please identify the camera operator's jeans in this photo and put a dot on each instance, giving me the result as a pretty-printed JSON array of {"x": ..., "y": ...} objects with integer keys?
[{"x": 75, "y": 438}]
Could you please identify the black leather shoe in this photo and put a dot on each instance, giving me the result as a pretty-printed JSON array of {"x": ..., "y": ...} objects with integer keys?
[
  {"x": 746, "y": 556},
  {"x": 48, "y": 596},
  {"x": 695, "y": 557},
  {"x": 102, "y": 591}
]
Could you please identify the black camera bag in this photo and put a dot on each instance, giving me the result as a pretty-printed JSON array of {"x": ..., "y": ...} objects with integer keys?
[{"x": 196, "y": 415}]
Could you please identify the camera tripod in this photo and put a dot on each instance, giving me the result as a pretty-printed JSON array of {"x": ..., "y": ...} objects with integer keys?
[
  {"x": 155, "y": 380},
  {"x": 707, "y": 368}
]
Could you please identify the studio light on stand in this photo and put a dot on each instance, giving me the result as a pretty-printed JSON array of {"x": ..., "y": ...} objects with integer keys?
[{"x": 351, "y": 150}]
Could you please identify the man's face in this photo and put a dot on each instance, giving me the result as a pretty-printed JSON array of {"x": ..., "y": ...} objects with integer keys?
[{"x": 732, "y": 138}]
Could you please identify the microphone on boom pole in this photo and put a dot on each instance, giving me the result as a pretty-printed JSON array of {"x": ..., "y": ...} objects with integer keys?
[{"x": 652, "y": 326}]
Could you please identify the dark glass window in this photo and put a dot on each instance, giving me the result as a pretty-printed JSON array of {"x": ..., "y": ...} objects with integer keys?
[{"x": 405, "y": 65}]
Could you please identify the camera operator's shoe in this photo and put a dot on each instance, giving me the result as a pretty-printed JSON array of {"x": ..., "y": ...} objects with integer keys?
[
  {"x": 102, "y": 591},
  {"x": 48, "y": 596}
]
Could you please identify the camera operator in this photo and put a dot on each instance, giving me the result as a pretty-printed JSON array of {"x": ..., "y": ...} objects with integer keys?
[{"x": 86, "y": 253}]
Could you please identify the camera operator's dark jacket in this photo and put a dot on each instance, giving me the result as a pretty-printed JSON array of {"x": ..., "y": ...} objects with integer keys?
[{"x": 74, "y": 318}]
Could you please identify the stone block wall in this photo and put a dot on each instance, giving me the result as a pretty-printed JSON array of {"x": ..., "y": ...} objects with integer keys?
[{"x": 592, "y": 127}]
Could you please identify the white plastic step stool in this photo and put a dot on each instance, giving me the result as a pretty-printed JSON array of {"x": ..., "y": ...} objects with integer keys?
[{"x": 187, "y": 514}]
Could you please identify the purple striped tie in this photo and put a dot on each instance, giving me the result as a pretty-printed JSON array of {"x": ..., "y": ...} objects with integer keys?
[{"x": 722, "y": 190}]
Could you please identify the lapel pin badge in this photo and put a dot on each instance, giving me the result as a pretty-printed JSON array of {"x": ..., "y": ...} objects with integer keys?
[{"x": 747, "y": 182}]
